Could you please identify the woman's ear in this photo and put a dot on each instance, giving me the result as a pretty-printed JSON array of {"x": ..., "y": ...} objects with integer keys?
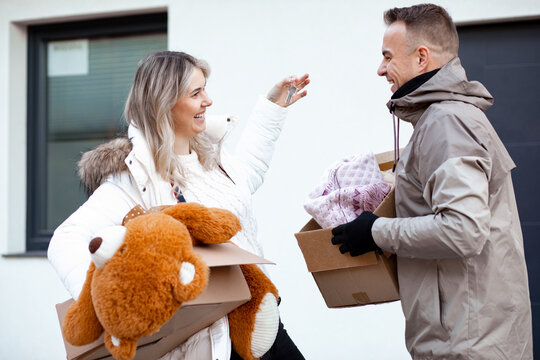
[{"x": 206, "y": 225}]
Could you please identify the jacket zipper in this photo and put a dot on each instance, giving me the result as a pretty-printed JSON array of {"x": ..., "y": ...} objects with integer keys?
[{"x": 222, "y": 169}]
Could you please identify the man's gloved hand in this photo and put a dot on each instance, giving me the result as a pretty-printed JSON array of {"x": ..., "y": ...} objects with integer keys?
[{"x": 355, "y": 236}]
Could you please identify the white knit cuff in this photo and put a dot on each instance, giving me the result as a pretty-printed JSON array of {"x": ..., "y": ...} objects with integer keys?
[{"x": 266, "y": 326}]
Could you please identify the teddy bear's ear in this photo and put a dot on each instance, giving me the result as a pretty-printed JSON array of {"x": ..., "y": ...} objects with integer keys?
[
  {"x": 206, "y": 225},
  {"x": 103, "y": 246},
  {"x": 192, "y": 278}
]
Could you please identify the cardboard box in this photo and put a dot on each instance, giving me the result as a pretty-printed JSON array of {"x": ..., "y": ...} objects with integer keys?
[
  {"x": 344, "y": 280},
  {"x": 227, "y": 289}
]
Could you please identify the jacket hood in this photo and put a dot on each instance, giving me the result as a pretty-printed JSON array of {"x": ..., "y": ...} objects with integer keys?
[
  {"x": 106, "y": 159},
  {"x": 450, "y": 83}
]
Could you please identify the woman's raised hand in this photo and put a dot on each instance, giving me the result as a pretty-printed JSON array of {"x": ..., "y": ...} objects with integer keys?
[{"x": 278, "y": 94}]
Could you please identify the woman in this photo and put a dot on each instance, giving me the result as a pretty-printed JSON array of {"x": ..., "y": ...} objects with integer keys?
[{"x": 169, "y": 159}]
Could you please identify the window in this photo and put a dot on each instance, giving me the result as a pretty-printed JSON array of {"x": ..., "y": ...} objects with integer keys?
[{"x": 79, "y": 76}]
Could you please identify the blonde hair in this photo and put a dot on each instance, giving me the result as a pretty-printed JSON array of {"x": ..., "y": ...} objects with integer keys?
[{"x": 160, "y": 79}]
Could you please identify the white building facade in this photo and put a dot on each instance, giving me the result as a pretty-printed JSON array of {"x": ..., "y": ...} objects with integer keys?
[{"x": 250, "y": 45}]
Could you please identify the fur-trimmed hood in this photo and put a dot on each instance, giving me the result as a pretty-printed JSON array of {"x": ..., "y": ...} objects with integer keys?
[{"x": 106, "y": 159}]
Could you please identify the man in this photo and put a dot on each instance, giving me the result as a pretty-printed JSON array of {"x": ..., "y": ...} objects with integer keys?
[{"x": 457, "y": 237}]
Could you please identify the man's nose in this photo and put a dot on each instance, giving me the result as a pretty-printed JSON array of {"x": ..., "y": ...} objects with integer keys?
[{"x": 381, "y": 71}]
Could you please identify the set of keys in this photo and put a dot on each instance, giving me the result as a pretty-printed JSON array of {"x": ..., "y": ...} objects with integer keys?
[{"x": 290, "y": 93}]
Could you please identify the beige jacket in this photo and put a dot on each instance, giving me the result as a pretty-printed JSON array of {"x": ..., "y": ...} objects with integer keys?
[{"x": 461, "y": 266}]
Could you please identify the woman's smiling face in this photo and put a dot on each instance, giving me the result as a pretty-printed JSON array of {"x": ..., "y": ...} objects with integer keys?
[{"x": 189, "y": 110}]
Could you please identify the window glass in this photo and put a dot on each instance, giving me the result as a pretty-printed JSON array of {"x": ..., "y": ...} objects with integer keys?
[
  {"x": 79, "y": 76},
  {"x": 85, "y": 102}
]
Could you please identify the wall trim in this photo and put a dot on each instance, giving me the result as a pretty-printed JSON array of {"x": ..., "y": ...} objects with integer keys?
[
  {"x": 500, "y": 20},
  {"x": 89, "y": 16}
]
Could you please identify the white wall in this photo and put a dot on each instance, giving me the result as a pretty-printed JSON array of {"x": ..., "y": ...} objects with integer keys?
[{"x": 250, "y": 45}]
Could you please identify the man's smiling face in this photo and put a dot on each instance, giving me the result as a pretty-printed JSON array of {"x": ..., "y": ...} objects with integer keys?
[{"x": 400, "y": 63}]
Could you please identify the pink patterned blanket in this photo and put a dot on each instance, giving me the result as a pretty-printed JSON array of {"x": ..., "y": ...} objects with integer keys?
[{"x": 350, "y": 186}]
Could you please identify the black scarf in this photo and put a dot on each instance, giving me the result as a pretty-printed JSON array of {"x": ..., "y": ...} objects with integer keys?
[{"x": 413, "y": 84}]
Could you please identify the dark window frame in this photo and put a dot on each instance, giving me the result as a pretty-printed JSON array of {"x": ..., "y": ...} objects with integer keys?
[{"x": 38, "y": 36}]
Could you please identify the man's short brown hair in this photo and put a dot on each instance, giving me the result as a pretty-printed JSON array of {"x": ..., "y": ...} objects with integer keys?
[{"x": 427, "y": 22}]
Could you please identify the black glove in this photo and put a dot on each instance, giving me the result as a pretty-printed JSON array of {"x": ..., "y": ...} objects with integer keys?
[{"x": 355, "y": 236}]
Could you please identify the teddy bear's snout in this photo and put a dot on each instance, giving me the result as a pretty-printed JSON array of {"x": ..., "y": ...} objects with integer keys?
[
  {"x": 94, "y": 245},
  {"x": 105, "y": 244}
]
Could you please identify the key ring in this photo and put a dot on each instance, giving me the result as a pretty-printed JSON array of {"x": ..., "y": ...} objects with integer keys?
[{"x": 290, "y": 94}]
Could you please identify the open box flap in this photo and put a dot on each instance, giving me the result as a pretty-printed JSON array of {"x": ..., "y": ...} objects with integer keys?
[
  {"x": 386, "y": 159},
  {"x": 387, "y": 208},
  {"x": 227, "y": 254}
]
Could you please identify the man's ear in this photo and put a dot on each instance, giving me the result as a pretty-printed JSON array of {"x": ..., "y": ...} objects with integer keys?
[{"x": 424, "y": 59}]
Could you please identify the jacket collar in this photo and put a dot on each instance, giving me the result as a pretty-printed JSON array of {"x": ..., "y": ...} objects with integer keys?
[
  {"x": 413, "y": 84},
  {"x": 448, "y": 83},
  {"x": 139, "y": 161},
  {"x": 140, "y": 148}
]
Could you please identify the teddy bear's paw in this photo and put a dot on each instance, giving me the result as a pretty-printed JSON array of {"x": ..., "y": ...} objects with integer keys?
[
  {"x": 121, "y": 349},
  {"x": 206, "y": 225},
  {"x": 266, "y": 326},
  {"x": 81, "y": 325}
]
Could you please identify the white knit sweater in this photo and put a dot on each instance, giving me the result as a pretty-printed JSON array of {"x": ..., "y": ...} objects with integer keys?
[{"x": 213, "y": 188}]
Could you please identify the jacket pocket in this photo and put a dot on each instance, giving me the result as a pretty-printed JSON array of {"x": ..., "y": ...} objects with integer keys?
[
  {"x": 442, "y": 299},
  {"x": 452, "y": 282}
]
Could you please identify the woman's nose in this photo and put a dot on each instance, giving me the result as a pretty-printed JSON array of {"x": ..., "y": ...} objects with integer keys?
[{"x": 207, "y": 101}]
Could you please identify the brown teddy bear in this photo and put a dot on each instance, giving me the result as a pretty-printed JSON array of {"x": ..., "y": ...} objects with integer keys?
[{"x": 142, "y": 272}]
